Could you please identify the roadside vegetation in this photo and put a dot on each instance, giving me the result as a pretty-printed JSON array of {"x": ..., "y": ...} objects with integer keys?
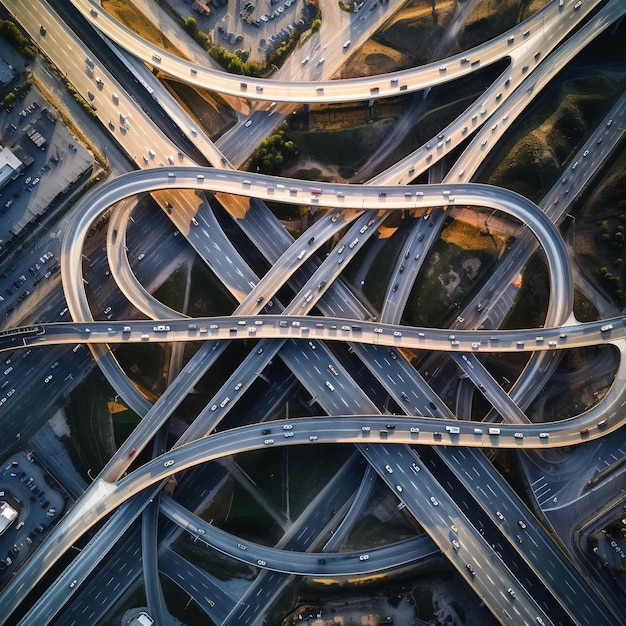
[
  {"x": 601, "y": 228},
  {"x": 273, "y": 153},
  {"x": 549, "y": 135},
  {"x": 10, "y": 32}
]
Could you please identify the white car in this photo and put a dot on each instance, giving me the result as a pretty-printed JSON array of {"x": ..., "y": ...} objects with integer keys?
[
  {"x": 248, "y": 124},
  {"x": 313, "y": 437},
  {"x": 261, "y": 562},
  {"x": 364, "y": 557},
  {"x": 388, "y": 468},
  {"x": 48, "y": 378},
  {"x": 168, "y": 463}
]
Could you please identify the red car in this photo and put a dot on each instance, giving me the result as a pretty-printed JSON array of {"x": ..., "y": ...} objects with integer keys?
[{"x": 132, "y": 451}]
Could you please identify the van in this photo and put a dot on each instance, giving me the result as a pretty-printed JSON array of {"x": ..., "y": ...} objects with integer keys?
[
  {"x": 494, "y": 431},
  {"x": 301, "y": 255},
  {"x": 224, "y": 402}
]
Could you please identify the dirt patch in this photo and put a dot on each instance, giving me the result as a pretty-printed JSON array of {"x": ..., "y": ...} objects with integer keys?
[
  {"x": 211, "y": 110},
  {"x": 130, "y": 16}
]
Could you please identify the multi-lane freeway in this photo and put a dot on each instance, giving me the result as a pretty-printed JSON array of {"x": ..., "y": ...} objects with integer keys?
[{"x": 301, "y": 340}]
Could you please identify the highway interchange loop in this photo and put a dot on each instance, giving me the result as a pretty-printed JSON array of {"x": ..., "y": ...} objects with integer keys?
[{"x": 104, "y": 496}]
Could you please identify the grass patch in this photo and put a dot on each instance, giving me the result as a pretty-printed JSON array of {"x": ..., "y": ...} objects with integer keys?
[
  {"x": 144, "y": 363},
  {"x": 246, "y": 518},
  {"x": 90, "y": 424},
  {"x": 267, "y": 468},
  {"x": 340, "y": 147},
  {"x": 601, "y": 228},
  {"x": 548, "y": 137},
  {"x": 172, "y": 291},
  {"x": 451, "y": 274},
  {"x": 584, "y": 309},
  {"x": 208, "y": 295},
  {"x": 124, "y": 422}
]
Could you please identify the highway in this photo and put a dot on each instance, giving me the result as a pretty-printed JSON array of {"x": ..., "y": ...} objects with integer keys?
[
  {"x": 560, "y": 19},
  {"x": 351, "y": 201}
]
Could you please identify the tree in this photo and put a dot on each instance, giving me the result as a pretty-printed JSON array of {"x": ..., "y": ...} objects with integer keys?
[{"x": 191, "y": 26}]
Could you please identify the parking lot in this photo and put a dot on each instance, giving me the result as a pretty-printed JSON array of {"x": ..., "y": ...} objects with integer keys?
[
  {"x": 255, "y": 27},
  {"x": 54, "y": 160},
  {"x": 28, "y": 489}
]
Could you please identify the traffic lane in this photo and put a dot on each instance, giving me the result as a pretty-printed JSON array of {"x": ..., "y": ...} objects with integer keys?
[
  {"x": 200, "y": 586},
  {"x": 435, "y": 517},
  {"x": 525, "y": 552}
]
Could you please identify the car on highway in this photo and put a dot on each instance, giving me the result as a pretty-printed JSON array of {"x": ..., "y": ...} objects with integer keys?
[
  {"x": 268, "y": 442},
  {"x": 511, "y": 592},
  {"x": 585, "y": 153},
  {"x": 168, "y": 463},
  {"x": 261, "y": 562},
  {"x": 346, "y": 44},
  {"x": 388, "y": 468},
  {"x": 471, "y": 570},
  {"x": 48, "y": 378},
  {"x": 434, "y": 501},
  {"x": 456, "y": 545},
  {"x": 241, "y": 546},
  {"x": 248, "y": 124},
  {"x": 313, "y": 437},
  {"x": 304, "y": 61},
  {"x": 132, "y": 451},
  {"x": 364, "y": 557},
  {"x": 73, "y": 584},
  {"x": 522, "y": 524},
  {"x": 499, "y": 515},
  {"x": 141, "y": 257}
]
